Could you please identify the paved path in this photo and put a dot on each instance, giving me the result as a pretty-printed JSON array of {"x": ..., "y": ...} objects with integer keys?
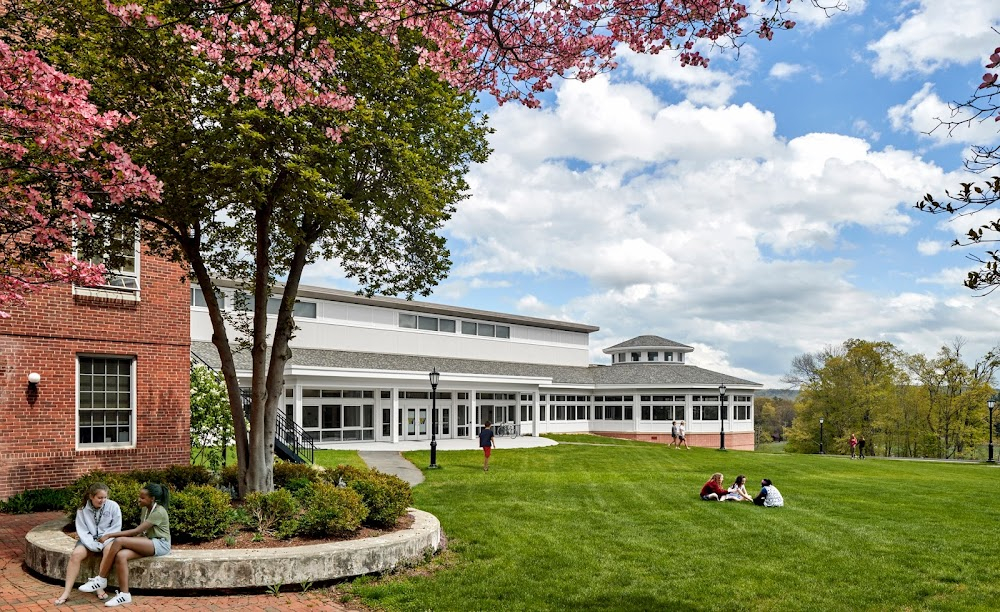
[
  {"x": 390, "y": 462},
  {"x": 22, "y": 591}
]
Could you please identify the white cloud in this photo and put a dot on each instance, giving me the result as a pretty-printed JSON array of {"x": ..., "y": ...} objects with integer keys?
[
  {"x": 707, "y": 86},
  {"x": 805, "y": 13},
  {"x": 924, "y": 113},
  {"x": 783, "y": 70},
  {"x": 936, "y": 34},
  {"x": 865, "y": 130},
  {"x": 931, "y": 247}
]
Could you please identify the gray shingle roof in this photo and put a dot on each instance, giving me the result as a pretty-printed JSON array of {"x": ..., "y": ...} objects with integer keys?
[
  {"x": 650, "y": 342},
  {"x": 618, "y": 374}
]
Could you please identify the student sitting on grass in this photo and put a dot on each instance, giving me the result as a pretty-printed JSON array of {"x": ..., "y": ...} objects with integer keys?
[
  {"x": 154, "y": 524},
  {"x": 769, "y": 495},
  {"x": 96, "y": 516},
  {"x": 738, "y": 491},
  {"x": 713, "y": 490}
]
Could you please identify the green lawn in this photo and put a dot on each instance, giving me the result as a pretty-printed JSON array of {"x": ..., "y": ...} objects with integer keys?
[{"x": 619, "y": 526}]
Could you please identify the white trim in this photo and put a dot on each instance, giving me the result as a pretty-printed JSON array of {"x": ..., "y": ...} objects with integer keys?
[
  {"x": 106, "y": 292},
  {"x": 133, "y": 401}
]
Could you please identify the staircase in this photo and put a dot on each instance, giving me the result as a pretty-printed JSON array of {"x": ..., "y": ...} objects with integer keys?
[{"x": 291, "y": 442}]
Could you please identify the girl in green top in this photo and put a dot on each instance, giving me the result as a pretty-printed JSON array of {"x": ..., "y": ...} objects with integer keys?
[{"x": 150, "y": 538}]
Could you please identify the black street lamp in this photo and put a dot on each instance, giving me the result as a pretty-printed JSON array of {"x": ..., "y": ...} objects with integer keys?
[
  {"x": 435, "y": 376},
  {"x": 821, "y": 436},
  {"x": 722, "y": 416},
  {"x": 991, "y": 403}
]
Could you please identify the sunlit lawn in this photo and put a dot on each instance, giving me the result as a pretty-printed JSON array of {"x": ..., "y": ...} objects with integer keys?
[{"x": 621, "y": 527}]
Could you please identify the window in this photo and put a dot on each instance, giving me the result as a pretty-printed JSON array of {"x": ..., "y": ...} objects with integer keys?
[
  {"x": 118, "y": 251},
  {"x": 446, "y": 325},
  {"x": 427, "y": 323},
  {"x": 668, "y": 356},
  {"x": 468, "y": 328},
  {"x": 487, "y": 330},
  {"x": 106, "y": 401},
  {"x": 652, "y": 356},
  {"x": 305, "y": 310},
  {"x": 408, "y": 321},
  {"x": 198, "y": 298},
  {"x": 334, "y": 415},
  {"x": 635, "y": 356}
]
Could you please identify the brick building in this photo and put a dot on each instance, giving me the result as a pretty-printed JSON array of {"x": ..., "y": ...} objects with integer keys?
[{"x": 113, "y": 364}]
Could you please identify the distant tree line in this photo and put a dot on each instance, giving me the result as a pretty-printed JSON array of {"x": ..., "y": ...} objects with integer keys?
[{"x": 905, "y": 405}]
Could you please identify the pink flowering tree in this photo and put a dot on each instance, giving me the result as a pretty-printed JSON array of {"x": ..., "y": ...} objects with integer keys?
[
  {"x": 286, "y": 131},
  {"x": 972, "y": 197},
  {"x": 53, "y": 159}
]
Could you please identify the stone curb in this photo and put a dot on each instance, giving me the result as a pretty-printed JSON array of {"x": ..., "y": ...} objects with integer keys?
[{"x": 47, "y": 550}]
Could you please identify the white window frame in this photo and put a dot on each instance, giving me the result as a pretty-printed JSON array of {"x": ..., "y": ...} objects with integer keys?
[
  {"x": 95, "y": 446},
  {"x": 110, "y": 291}
]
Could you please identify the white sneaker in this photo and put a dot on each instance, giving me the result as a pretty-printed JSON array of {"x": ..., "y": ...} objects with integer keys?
[
  {"x": 94, "y": 584},
  {"x": 119, "y": 599}
]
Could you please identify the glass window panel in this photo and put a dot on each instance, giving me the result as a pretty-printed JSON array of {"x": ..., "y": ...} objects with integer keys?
[
  {"x": 310, "y": 393},
  {"x": 310, "y": 417},
  {"x": 273, "y": 305},
  {"x": 351, "y": 434},
  {"x": 503, "y": 331},
  {"x": 369, "y": 416},
  {"x": 485, "y": 329},
  {"x": 331, "y": 393},
  {"x": 408, "y": 321},
  {"x": 645, "y": 413},
  {"x": 306, "y": 310},
  {"x": 679, "y": 413},
  {"x": 652, "y": 356},
  {"x": 427, "y": 323},
  {"x": 446, "y": 325},
  {"x": 352, "y": 416},
  {"x": 469, "y": 327},
  {"x": 353, "y": 394}
]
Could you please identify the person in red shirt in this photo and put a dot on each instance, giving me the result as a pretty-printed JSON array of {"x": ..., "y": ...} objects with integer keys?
[{"x": 713, "y": 489}]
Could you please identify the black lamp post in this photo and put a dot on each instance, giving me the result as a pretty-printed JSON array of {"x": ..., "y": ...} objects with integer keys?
[
  {"x": 434, "y": 376},
  {"x": 722, "y": 416},
  {"x": 991, "y": 403},
  {"x": 821, "y": 436}
]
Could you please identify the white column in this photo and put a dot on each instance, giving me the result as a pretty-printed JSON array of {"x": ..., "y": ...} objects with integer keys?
[
  {"x": 394, "y": 416},
  {"x": 534, "y": 412}
]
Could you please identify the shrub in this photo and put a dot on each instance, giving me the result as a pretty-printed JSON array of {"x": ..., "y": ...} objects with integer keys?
[
  {"x": 347, "y": 473},
  {"x": 180, "y": 477},
  {"x": 332, "y": 511},
  {"x": 121, "y": 488},
  {"x": 284, "y": 473},
  {"x": 36, "y": 500},
  {"x": 272, "y": 513},
  {"x": 229, "y": 477},
  {"x": 386, "y": 496},
  {"x": 199, "y": 513}
]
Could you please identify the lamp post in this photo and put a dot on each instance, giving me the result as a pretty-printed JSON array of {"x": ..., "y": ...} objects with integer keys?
[
  {"x": 722, "y": 416},
  {"x": 991, "y": 403},
  {"x": 435, "y": 376},
  {"x": 821, "y": 436}
]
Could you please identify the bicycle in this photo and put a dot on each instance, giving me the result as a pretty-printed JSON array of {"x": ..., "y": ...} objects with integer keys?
[{"x": 507, "y": 429}]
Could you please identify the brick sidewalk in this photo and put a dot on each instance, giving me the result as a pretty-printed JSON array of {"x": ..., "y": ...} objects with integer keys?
[{"x": 21, "y": 590}]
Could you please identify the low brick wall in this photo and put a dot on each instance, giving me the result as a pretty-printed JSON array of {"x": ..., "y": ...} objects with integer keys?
[{"x": 47, "y": 550}]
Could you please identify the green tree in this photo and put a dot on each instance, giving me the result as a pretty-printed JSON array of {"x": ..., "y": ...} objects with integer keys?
[
  {"x": 211, "y": 419},
  {"x": 773, "y": 416}
]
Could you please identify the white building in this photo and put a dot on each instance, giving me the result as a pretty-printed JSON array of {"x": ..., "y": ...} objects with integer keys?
[{"x": 359, "y": 371}]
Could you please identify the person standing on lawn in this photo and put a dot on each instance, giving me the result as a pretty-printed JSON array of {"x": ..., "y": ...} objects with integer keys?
[
  {"x": 681, "y": 436},
  {"x": 861, "y": 447},
  {"x": 673, "y": 435},
  {"x": 486, "y": 441},
  {"x": 854, "y": 445}
]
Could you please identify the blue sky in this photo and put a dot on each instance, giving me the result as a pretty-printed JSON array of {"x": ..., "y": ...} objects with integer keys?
[{"x": 756, "y": 210}]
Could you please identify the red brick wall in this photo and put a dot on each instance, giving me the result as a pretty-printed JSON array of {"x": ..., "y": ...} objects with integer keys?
[
  {"x": 38, "y": 428},
  {"x": 734, "y": 441}
]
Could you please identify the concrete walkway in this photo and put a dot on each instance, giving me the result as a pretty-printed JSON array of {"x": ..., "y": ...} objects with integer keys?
[{"x": 386, "y": 457}]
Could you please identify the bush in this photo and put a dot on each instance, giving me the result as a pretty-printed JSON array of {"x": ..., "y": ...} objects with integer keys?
[
  {"x": 347, "y": 473},
  {"x": 332, "y": 511},
  {"x": 199, "y": 513},
  {"x": 272, "y": 513},
  {"x": 284, "y": 473},
  {"x": 180, "y": 477},
  {"x": 386, "y": 496},
  {"x": 229, "y": 477},
  {"x": 36, "y": 500},
  {"x": 121, "y": 488}
]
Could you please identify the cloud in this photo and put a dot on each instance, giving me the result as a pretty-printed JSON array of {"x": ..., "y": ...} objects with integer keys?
[
  {"x": 931, "y": 247},
  {"x": 804, "y": 14},
  {"x": 937, "y": 34},
  {"x": 925, "y": 113},
  {"x": 707, "y": 86},
  {"x": 783, "y": 70},
  {"x": 697, "y": 223}
]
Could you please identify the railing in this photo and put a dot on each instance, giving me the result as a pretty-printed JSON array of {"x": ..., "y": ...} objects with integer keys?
[{"x": 288, "y": 435}]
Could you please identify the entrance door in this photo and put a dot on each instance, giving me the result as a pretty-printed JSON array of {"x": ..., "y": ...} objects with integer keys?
[{"x": 417, "y": 423}]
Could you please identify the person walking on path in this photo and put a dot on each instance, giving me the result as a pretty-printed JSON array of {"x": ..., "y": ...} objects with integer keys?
[
  {"x": 681, "y": 436},
  {"x": 486, "y": 441},
  {"x": 861, "y": 448},
  {"x": 673, "y": 435},
  {"x": 854, "y": 445}
]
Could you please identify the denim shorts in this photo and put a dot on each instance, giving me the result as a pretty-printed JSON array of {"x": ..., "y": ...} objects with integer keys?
[{"x": 161, "y": 547}]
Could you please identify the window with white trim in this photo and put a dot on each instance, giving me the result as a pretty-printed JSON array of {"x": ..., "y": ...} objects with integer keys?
[{"x": 105, "y": 401}]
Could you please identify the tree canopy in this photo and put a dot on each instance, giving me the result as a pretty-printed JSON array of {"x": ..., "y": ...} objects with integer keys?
[{"x": 287, "y": 131}]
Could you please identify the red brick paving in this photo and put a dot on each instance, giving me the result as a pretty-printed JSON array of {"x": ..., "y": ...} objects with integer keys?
[{"x": 23, "y": 591}]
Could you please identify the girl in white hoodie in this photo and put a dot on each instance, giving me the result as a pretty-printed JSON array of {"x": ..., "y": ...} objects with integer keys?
[{"x": 96, "y": 516}]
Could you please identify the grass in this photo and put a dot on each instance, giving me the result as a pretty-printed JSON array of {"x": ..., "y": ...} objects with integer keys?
[
  {"x": 333, "y": 458},
  {"x": 619, "y": 526}
]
